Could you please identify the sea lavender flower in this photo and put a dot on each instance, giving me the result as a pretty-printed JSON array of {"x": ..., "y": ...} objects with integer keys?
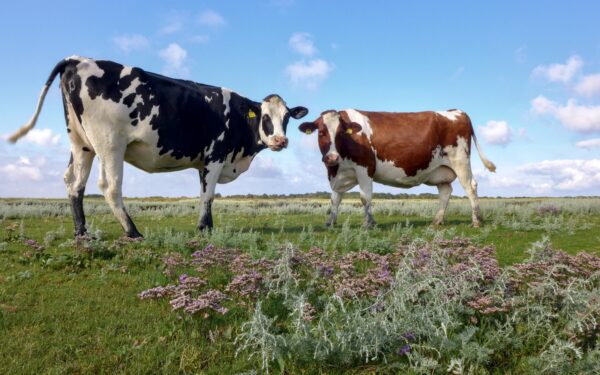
[
  {"x": 404, "y": 350},
  {"x": 158, "y": 292},
  {"x": 209, "y": 300}
]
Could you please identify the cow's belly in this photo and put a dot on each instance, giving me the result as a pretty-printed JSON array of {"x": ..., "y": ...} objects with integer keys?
[
  {"x": 231, "y": 171},
  {"x": 388, "y": 174},
  {"x": 146, "y": 157},
  {"x": 344, "y": 180}
]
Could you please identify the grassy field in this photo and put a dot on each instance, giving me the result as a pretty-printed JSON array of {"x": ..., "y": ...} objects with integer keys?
[{"x": 72, "y": 308}]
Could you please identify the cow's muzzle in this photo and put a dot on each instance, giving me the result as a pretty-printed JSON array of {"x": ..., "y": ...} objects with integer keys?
[
  {"x": 331, "y": 160},
  {"x": 279, "y": 143}
]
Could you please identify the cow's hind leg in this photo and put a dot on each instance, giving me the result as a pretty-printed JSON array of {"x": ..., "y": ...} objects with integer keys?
[
  {"x": 76, "y": 177},
  {"x": 441, "y": 177},
  {"x": 462, "y": 168},
  {"x": 444, "y": 190},
  {"x": 209, "y": 176},
  {"x": 111, "y": 183}
]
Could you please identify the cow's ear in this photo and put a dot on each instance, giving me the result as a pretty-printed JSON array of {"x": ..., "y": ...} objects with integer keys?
[
  {"x": 298, "y": 112},
  {"x": 252, "y": 114},
  {"x": 352, "y": 127},
  {"x": 308, "y": 127}
]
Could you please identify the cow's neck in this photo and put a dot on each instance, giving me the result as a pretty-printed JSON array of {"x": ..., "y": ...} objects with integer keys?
[{"x": 243, "y": 130}]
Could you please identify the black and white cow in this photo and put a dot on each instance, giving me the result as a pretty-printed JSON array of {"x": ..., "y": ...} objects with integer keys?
[{"x": 157, "y": 124}]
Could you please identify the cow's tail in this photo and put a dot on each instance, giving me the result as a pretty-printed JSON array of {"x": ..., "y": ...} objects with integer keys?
[
  {"x": 488, "y": 164},
  {"x": 59, "y": 68}
]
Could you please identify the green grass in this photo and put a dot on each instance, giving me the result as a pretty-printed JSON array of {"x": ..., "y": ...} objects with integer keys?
[{"x": 69, "y": 317}]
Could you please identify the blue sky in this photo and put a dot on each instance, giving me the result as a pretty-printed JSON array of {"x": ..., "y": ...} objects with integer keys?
[{"x": 527, "y": 73}]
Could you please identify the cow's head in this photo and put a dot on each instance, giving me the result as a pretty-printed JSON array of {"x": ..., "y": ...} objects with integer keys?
[
  {"x": 331, "y": 127},
  {"x": 274, "y": 118}
]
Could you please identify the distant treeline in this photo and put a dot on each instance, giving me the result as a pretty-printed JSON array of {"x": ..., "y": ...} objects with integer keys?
[{"x": 327, "y": 195}]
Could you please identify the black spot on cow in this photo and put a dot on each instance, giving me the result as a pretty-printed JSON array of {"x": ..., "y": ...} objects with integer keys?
[
  {"x": 134, "y": 122},
  {"x": 286, "y": 119},
  {"x": 85, "y": 149},
  {"x": 128, "y": 100},
  {"x": 267, "y": 125},
  {"x": 68, "y": 130},
  {"x": 106, "y": 86},
  {"x": 71, "y": 87}
]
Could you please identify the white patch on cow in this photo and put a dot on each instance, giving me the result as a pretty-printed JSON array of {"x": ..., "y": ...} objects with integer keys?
[
  {"x": 386, "y": 172},
  {"x": 221, "y": 137},
  {"x": 460, "y": 152},
  {"x": 345, "y": 179},
  {"x": 207, "y": 98},
  {"x": 126, "y": 71},
  {"x": 232, "y": 169},
  {"x": 226, "y": 99},
  {"x": 210, "y": 148},
  {"x": 332, "y": 121},
  {"x": 132, "y": 89},
  {"x": 361, "y": 120},
  {"x": 452, "y": 115}
]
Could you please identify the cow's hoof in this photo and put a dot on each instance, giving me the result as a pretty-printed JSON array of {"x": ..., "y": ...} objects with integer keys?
[
  {"x": 437, "y": 223},
  {"x": 134, "y": 235},
  {"x": 369, "y": 225},
  {"x": 205, "y": 228}
]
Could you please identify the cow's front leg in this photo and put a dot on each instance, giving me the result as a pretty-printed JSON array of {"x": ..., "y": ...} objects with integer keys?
[
  {"x": 209, "y": 176},
  {"x": 365, "y": 183},
  {"x": 336, "y": 198}
]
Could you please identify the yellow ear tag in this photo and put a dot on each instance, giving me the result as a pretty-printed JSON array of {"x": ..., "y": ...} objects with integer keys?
[
  {"x": 251, "y": 114},
  {"x": 308, "y": 131},
  {"x": 349, "y": 130}
]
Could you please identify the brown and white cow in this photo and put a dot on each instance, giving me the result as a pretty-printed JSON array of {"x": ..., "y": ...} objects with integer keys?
[{"x": 397, "y": 149}]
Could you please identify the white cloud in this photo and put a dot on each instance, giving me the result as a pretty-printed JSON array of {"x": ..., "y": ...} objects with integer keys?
[
  {"x": 559, "y": 72},
  {"x": 211, "y": 18},
  {"x": 521, "y": 55},
  {"x": 309, "y": 73},
  {"x": 496, "y": 132},
  {"x": 580, "y": 118},
  {"x": 589, "y": 143},
  {"x": 128, "y": 43},
  {"x": 41, "y": 137},
  {"x": 24, "y": 170},
  {"x": 175, "y": 22},
  {"x": 302, "y": 43},
  {"x": 589, "y": 85},
  {"x": 200, "y": 39},
  {"x": 175, "y": 58},
  {"x": 567, "y": 175}
]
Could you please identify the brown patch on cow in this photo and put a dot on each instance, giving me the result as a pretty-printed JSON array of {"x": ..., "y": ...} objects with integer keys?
[
  {"x": 410, "y": 139},
  {"x": 355, "y": 146}
]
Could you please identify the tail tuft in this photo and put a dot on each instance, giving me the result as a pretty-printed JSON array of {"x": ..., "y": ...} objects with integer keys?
[{"x": 488, "y": 164}]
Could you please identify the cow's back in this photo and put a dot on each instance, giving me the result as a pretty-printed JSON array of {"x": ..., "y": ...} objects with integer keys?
[{"x": 411, "y": 141}]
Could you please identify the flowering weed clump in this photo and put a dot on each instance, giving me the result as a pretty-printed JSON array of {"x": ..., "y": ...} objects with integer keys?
[{"x": 426, "y": 307}]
